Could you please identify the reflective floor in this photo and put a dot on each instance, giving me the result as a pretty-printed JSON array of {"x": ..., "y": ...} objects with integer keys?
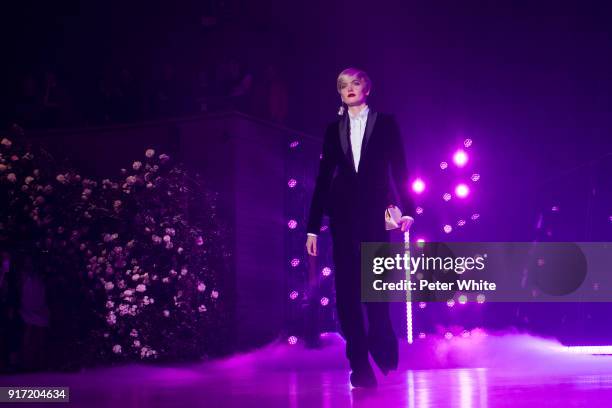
[{"x": 505, "y": 371}]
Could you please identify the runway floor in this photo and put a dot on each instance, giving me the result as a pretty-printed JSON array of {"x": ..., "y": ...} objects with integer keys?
[{"x": 481, "y": 371}]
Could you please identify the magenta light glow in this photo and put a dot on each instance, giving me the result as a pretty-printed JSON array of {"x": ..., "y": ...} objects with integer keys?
[
  {"x": 295, "y": 262},
  {"x": 324, "y": 301},
  {"x": 292, "y": 224},
  {"x": 418, "y": 186},
  {"x": 467, "y": 142},
  {"x": 448, "y": 229},
  {"x": 443, "y": 165},
  {"x": 462, "y": 190},
  {"x": 419, "y": 210},
  {"x": 326, "y": 271},
  {"x": 460, "y": 158},
  {"x": 293, "y": 295},
  {"x": 292, "y": 340},
  {"x": 292, "y": 183}
]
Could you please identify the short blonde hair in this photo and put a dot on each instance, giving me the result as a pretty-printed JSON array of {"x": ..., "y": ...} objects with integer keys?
[{"x": 354, "y": 73}]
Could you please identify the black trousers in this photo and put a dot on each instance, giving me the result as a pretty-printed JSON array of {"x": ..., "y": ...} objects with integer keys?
[{"x": 378, "y": 338}]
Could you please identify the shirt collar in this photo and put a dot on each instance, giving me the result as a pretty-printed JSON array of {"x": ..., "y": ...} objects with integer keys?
[{"x": 361, "y": 115}]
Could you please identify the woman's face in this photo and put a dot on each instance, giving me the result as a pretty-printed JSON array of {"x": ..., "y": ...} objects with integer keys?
[{"x": 352, "y": 90}]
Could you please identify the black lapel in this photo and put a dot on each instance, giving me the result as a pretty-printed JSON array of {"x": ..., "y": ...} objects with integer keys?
[
  {"x": 368, "y": 130},
  {"x": 343, "y": 131}
]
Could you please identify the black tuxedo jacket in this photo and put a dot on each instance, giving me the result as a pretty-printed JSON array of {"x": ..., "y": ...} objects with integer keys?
[{"x": 356, "y": 200}]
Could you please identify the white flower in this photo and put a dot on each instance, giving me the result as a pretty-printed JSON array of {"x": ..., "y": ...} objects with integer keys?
[
  {"x": 165, "y": 280},
  {"x": 201, "y": 287},
  {"x": 166, "y": 313},
  {"x": 156, "y": 239},
  {"x": 29, "y": 179},
  {"x": 214, "y": 294},
  {"x": 136, "y": 165},
  {"x": 61, "y": 178},
  {"x": 135, "y": 277},
  {"x": 128, "y": 292},
  {"x": 141, "y": 288},
  {"x": 172, "y": 272},
  {"x": 117, "y": 203},
  {"x": 111, "y": 318},
  {"x": 202, "y": 308},
  {"x": 179, "y": 250},
  {"x": 136, "y": 343},
  {"x": 6, "y": 142},
  {"x": 110, "y": 304},
  {"x": 169, "y": 245},
  {"x": 117, "y": 349},
  {"x": 164, "y": 158},
  {"x": 199, "y": 241},
  {"x": 150, "y": 153},
  {"x": 130, "y": 180},
  {"x": 184, "y": 271},
  {"x": 109, "y": 286},
  {"x": 149, "y": 185},
  {"x": 134, "y": 333},
  {"x": 11, "y": 177},
  {"x": 167, "y": 238}
]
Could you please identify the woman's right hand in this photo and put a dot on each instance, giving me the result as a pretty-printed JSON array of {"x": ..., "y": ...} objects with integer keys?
[{"x": 311, "y": 245}]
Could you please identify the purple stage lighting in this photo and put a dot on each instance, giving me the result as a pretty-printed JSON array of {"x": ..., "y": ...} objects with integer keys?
[
  {"x": 422, "y": 335},
  {"x": 418, "y": 186},
  {"x": 292, "y": 224},
  {"x": 292, "y": 183},
  {"x": 462, "y": 190},
  {"x": 460, "y": 158},
  {"x": 448, "y": 335}
]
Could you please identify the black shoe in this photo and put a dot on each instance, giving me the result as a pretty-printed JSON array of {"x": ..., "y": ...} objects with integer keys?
[
  {"x": 364, "y": 377},
  {"x": 385, "y": 370}
]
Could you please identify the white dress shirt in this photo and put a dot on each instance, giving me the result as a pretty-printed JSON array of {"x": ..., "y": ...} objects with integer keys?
[{"x": 358, "y": 125}]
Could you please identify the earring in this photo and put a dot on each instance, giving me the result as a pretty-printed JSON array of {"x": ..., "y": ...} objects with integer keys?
[{"x": 341, "y": 109}]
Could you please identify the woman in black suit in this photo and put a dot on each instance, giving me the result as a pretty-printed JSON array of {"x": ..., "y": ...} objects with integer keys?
[{"x": 361, "y": 173}]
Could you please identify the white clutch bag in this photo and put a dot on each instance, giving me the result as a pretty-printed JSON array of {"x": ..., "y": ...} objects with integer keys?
[{"x": 393, "y": 216}]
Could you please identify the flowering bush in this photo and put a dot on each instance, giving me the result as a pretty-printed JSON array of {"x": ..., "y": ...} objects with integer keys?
[{"x": 146, "y": 252}]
